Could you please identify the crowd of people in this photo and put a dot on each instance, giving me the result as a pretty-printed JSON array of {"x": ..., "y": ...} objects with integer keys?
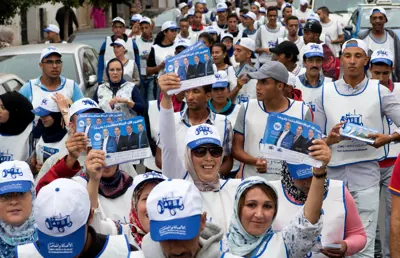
[{"x": 208, "y": 190}]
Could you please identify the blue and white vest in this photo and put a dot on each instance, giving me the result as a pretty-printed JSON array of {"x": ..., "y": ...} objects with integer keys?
[
  {"x": 310, "y": 93},
  {"x": 116, "y": 246},
  {"x": 390, "y": 127},
  {"x": 15, "y": 147},
  {"x": 109, "y": 50},
  {"x": 334, "y": 207},
  {"x": 46, "y": 150},
  {"x": 353, "y": 108},
  {"x": 268, "y": 40},
  {"x": 144, "y": 50},
  {"x": 162, "y": 53}
]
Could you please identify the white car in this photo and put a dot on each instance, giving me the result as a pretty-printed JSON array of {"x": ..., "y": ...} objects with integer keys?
[{"x": 10, "y": 82}]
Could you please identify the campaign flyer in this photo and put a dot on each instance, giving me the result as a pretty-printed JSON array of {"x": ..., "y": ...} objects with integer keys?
[
  {"x": 194, "y": 66},
  {"x": 288, "y": 138},
  {"x": 357, "y": 132},
  {"x": 122, "y": 141},
  {"x": 245, "y": 69}
]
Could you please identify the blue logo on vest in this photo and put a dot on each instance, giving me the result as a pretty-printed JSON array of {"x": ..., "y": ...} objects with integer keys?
[
  {"x": 44, "y": 102},
  {"x": 59, "y": 222},
  {"x": 5, "y": 156},
  {"x": 271, "y": 43},
  {"x": 242, "y": 99},
  {"x": 205, "y": 129},
  {"x": 48, "y": 152},
  {"x": 88, "y": 102},
  {"x": 312, "y": 106},
  {"x": 170, "y": 203},
  {"x": 353, "y": 118},
  {"x": 389, "y": 121},
  {"x": 13, "y": 172}
]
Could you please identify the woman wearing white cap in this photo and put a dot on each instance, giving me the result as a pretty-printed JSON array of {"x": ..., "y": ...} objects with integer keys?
[
  {"x": 222, "y": 62},
  {"x": 16, "y": 125},
  {"x": 131, "y": 71},
  {"x": 17, "y": 198},
  {"x": 227, "y": 39}
]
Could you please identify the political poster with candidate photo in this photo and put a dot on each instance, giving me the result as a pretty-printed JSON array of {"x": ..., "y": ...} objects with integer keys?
[
  {"x": 357, "y": 132},
  {"x": 122, "y": 141},
  {"x": 288, "y": 138},
  {"x": 194, "y": 66}
]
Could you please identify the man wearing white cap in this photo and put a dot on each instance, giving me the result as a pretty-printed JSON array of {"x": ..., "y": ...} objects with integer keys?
[
  {"x": 135, "y": 26},
  {"x": 379, "y": 37},
  {"x": 222, "y": 13},
  {"x": 53, "y": 34},
  {"x": 51, "y": 80},
  {"x": 251, "y": 122},
  {"x": 303, "y": 11},
  {"x": 201, "y": 6},
  {"x": 310, "y": 83},
  {"x": 178, "y": 226},
  {"x": 331, "y": 29},
  {"x": 245, "y": 89},
  {"x": 255, "y": 8},
  {"x": 106, "y": 52},
  {"x": 356, "y": 162},
  {"x": 250, "y": 19},
  {"x": 267, "y": 37},
  {"x": 233, "y": 28},
  {"x": 63, "y": 213},
  {"x": 381, "y": 68}
]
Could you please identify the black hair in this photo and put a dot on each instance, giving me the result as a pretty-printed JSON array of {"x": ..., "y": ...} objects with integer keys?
[
  {"x": 159, "y": 38},
  {"x": 294, "y": 58},
  {"x": 207, "y": 88},
  {"x": 380, "y": 64},
  {"x": 244, "y": 10},
  {"x": 292, "y": 18},
  {"x": 184, "y": 20},
  {"x": 324, "y": 9},
  {"x": 208, "y": 37},
  {"x": 223, "y": 47},
  {"x": 305, "y": 58},
  {"x": 271, "y": 9},
  {"x": 232, "y": 15}
]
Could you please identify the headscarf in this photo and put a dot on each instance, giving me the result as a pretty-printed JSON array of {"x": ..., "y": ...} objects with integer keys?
[
  {"x": 20, "y": 115},
  {"x": 201, "y": 185},
  {"x": 12, "y": 236},
  {"x": 115, "y": 86},
  {"x": 240, "y": 242},
  {"x": 291, "y": 189},
  {"x": 54, "y": 133}
]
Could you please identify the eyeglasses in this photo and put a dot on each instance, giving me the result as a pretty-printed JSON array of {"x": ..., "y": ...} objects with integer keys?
[
  {"x": 8, "y": 196},
  {"x": 215, "y": 151},
  {"x": 115, "y": 70},
  {"x": 52, "y": 62}
]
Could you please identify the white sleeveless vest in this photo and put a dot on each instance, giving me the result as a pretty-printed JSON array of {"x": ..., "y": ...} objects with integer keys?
[
  {"x": 310, "y": 93},
  {"x": 129, "y": 67},
  {"x": 46, "y": 150},
  {"x": 15, "y": 147},
  {"x": 239, "y": 36},
  {"x": 352, "y": 108},
  {"x": 105, "y": 94},
  {"x": 38, "y": 94},
  {"x": 182, "y": 128},
  {"x": 116, "y": 246},
  {"x": 390, "y": 127},
  {"x": 154, "y": 118},
  {"x": 247, "y": 92},
  {"x": 109, "y": 51},
  {"x": 161, "y": 53},
  {"x": 273, "y": 247},
  {"x": 144, "y": 50},
  {"x": 268, "y": 40},
  {"x": 334, "y": 206},
  {"x": 254, "y": 126}
]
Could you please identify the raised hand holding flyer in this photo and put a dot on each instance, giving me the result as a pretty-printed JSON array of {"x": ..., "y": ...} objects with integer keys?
[
  {"x": 288, "y": 138},
  {"x": 357, "y": 132}
]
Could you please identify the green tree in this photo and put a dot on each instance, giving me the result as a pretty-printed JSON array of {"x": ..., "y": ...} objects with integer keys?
[{"x": 9, "y": 8}]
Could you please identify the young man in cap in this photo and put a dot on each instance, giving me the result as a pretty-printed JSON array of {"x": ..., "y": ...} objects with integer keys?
[
  {"x": 381, "y": 68},
  {"x": 292, "y": 26},
  {"x": 267, "y": 37},
  {"x": 53, "y": 35},
  {"x": 255, "y": 8},
  {"x": 251, "y": 122},
  {"x": 356, "y": 162},
  {"x": 51, "y": 80},
  {"x": 249, "y": 23},
  {"x": 178, "y": 227},
  {"x": 63, "y": 213},
  {"x": 310, "y": 83},
  {"x": 201, "y": 6},
  {"x": 135, "y": 26},
  {"x": 287, "y": 53},
  {"x": 312, "y": 33},
  {"x": 331, "y": 28},
  {"x": 222, "y": 13},
  {"x": 303, "y": 11},
  {"x": 106, "y": 52},
  {"x": 233, "y": 28},
  {"x": 379, "y": 37},
  {"x": 245, "y": 89}
]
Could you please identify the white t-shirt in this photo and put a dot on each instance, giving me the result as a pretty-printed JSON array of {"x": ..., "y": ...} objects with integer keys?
[{"x": 332, "y": 30}]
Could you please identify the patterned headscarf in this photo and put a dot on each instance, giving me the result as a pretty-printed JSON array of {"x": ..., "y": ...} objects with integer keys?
[{"x": 240, "y": 242}]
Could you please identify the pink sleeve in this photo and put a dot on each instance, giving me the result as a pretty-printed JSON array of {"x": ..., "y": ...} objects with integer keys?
[{"x": 355, "y": 233}]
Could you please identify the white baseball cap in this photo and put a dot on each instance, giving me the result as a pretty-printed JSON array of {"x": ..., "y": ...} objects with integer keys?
[
  {"x": 145, "y": 20},
  {"x": 47, "y": 106},
  {"x": 250, "y": 15},
  {"x": 118, "y": 19},
  {"x": 304, "y": 2},
  {"x": 211, "y": 30},
  {"x": 83, "y": 105},
  {"x": 247, "y": 43},
  {"x": 378, "y": 9},
  {"x": 119, "y": 42},
  {"x": 382, "y": 56},
  {"x": 61, "y": 212},
  {"x": 174, "y": 208},
  {"x": 313, "y": 49},
  {"x": 182, "y": 5},
  {"x": 256, "y": 4},
  {"x": 190, "y": 12},
  {"x": 169, "y": 25},
  {"x": 226, "y": 35},
  {"x": 203, "y": 1},
  {"x": 53, "y": 28},
  {"x": 291, "y": 80},
  {"x": 147, "y": 177},
  {"x": 202, "y": 134},
  {"x": 182, "y": 43},
  {"x": 262, "y": 10},
  {"x": 136, "y": 18},
  {"x": 49, "y": 51},
  {"x": 221, "y": 78},
  {"x": 285, "y": 5},
  {"x": 221, "y": 7},
  {"x": 313, "y": 16},
  {"x": 355, "y": 43},
  {"x": 16, "y": 177}
]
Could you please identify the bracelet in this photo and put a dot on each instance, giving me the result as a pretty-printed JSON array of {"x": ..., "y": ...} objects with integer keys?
[{"x": 319, "y": 176}]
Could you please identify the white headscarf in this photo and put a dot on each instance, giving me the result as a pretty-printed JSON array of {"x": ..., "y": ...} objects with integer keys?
[{"x": 240, "y": 242}]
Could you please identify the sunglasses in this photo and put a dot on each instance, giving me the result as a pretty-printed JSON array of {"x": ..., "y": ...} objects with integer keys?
[{"x": 215, "y": 151}]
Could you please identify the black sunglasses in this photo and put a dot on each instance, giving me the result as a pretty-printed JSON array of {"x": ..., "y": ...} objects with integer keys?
[{"x": 215, "y": 151}]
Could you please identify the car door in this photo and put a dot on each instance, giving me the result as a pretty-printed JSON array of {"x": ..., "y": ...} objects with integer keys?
[
  {"x": 2, "y": 89},
  {"x": 13, "y": 85}
]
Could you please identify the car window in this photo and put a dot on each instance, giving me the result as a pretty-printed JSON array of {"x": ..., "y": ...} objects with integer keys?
[
  {"x": 391, "y": 13},
  {"x": 26, "y": 66},
  {"x": 354, "y": 18},
  {"x": 92, "y": 56},
  {"x": 87, "y": 68},
  {"x": 14, "y": 85},
  {"x": 335, "y": 6},
  {"x": 2, "y": 89}
]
